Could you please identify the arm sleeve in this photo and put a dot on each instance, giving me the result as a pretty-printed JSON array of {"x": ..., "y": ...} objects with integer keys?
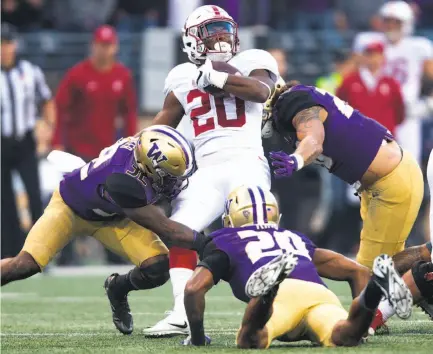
[
  {"x": 64, "y": 100},
  {"x": 125, "y": 191},
  {"x": 216, "y": 261},
  {"x": 289, "y": 105},
  {"x": 311, "y": 247},
  {"x": 130, "y": 107}
]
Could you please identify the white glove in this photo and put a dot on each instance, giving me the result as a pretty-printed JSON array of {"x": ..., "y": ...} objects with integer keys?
[{"x": 206, "y": 76}]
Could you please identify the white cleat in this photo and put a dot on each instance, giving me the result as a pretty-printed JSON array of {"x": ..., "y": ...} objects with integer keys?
[
  {"x": 393, "y": 286},
  {"x": 174, "y": 324},
  {"x": 270, "y": 275}
]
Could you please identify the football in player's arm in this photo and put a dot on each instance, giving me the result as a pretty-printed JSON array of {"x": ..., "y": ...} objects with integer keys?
[
  {"x": 215, "y": 266},
  {"x": 257, "y": 87}
]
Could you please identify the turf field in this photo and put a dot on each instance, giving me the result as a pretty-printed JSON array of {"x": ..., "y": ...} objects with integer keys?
[{"x": 70, "y": 314}]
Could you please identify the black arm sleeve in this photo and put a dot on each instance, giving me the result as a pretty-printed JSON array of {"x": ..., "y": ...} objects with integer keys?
[
  {"x": 288, "y": 106},
  {"x": 216, "y": 261},
  {"x": 125, "y": 191}
]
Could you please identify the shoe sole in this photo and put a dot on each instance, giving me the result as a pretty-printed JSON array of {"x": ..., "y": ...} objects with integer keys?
[
  {"x": 165, "y": 334},
  {"x": 267, "y": 276},
  {"x": 398, "y": 294}
]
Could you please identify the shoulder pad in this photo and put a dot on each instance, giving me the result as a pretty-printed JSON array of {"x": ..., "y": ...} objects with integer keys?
[
  {"x": 254, "y": 59},
  {"x": 178, "y": 76}
]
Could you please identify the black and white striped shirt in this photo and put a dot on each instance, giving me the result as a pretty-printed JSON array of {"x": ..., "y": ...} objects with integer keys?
[{"x": 23, "y": 87}]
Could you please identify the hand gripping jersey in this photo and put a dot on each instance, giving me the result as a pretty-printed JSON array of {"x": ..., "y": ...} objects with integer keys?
[
  {"x": 352, "y": 140},
  {"x": 219, "y": 124},
  {"x": 83, "y": 189},
  {"x": 251, "y": 247},
  {"x": 404, "y": 60}
]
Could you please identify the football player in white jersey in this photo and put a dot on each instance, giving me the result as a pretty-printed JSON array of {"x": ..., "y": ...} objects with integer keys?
[
  {"x": 225, "y": 129},
  {"x": 408, "y": 58}
]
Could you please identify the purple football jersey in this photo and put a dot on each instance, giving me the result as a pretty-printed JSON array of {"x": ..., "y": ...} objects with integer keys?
[
  {"x": 352, "y": 140},
  {"x": 82, "y": 189},
  {"x": 251, "y": 247}
]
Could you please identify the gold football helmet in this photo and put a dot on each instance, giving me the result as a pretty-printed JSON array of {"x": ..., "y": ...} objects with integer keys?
[
  {"x": 250, "y": 205},
  {"x": 166, "y": 157}
]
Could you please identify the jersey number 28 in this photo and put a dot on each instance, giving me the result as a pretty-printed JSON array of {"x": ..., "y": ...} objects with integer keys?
[{"x": 206, "y": 124}]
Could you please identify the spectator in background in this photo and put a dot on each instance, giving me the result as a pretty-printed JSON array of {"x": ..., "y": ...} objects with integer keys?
[
  {"x": 23, "y": 91},
  {"x": 370, "y": 91},
  {"x": 91, "y": 98},
  {"x": 343, "y": 65}
]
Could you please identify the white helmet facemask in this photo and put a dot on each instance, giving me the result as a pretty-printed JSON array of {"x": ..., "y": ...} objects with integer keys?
[{"x": 211, "y": 33}]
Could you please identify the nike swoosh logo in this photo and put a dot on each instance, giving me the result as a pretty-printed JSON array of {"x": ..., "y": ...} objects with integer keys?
[{"x": 185, "y": 325}]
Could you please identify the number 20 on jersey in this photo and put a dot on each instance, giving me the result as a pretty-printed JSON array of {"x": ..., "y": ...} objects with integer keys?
[{"x": 219, "y": 117}]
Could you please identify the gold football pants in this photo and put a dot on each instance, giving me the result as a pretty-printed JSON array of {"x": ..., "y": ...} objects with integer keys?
[
  {"x": 304, "y": 310},
  {"x": 59, "y": 225},
  {"x": 389, "y": 209}
]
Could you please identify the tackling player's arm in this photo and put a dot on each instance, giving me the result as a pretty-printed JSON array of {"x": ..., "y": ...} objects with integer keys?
[
  {"x": 171, "y": 113},
  {"x": 335, "y": 266},
  {"x": 257, "y": 87},
  {"x": 128, "y": 193},
  {"x": 308, "y": 124},
  {"x": 209, "y": 271}
]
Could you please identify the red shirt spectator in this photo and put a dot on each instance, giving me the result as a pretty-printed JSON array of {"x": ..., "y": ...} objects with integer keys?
[
  {"x": 90, "y": 98},
  {"x": 370, "y": 91}
]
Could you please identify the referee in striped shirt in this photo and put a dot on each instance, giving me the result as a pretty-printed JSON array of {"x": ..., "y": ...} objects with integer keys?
[{"x": 24, "y": 93}]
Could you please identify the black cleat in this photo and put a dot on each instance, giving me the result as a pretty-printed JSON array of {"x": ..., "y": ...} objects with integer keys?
[
  {"x": 426, "y": 307},
  {"x": 122, "y": 317}
]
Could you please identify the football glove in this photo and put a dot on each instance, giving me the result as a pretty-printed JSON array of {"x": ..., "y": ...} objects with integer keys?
[{"x": 207, "y": 76}]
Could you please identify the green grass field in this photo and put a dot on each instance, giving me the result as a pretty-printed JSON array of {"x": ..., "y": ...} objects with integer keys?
[{"x": 54, "y": 314}]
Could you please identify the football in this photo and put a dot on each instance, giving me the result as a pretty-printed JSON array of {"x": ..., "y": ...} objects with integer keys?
[{"x": 222, "y": 67}]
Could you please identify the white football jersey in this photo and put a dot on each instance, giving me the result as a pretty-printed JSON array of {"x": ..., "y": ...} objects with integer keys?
[
  {"x": 404, "y": 60},
  {"x": 221, "y": 126}
]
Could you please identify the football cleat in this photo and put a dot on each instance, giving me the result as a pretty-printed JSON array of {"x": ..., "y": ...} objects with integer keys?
[
  {"x": 174, "y": 324},
  {"x": 270, "y": 275},
  {"x": 393, "y": 287},
  {"x": 122, "y": 317},
  {"x": 426, "y": 307}
]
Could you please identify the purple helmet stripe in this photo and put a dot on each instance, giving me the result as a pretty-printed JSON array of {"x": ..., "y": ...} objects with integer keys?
[
  {"x": 262, "y": 195},
  {"x": 177, "y": 141},
  {"x": 253, "y": 200}
]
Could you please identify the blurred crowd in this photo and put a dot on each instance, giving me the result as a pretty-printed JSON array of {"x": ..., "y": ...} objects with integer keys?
[
  {"x": 312, "y": 201},
  {"x": 134, "y": 15}
]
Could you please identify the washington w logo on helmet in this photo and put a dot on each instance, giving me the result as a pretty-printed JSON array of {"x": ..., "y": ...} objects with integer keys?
[{"x": 156, "y": 155}]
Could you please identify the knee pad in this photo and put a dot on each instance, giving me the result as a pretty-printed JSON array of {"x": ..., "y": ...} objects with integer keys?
[
  {"x": 423, "y": 275},
  {"x": 150, "y": 276}
]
